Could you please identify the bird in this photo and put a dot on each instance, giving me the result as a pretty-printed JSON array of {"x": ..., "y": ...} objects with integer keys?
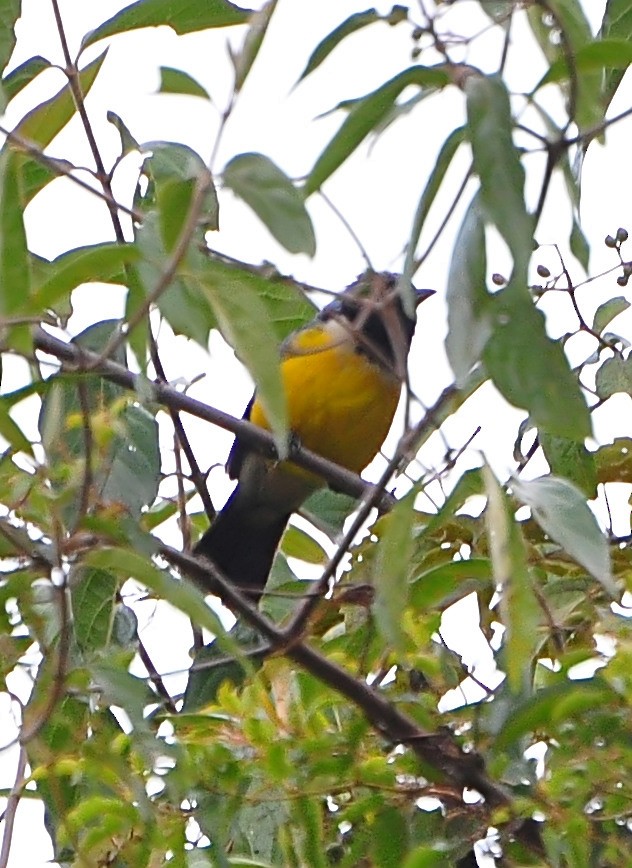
[{"x": 342, "y": 374}]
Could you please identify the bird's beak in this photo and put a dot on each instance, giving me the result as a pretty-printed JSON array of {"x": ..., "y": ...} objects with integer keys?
[{"x": 422, "y": 295}]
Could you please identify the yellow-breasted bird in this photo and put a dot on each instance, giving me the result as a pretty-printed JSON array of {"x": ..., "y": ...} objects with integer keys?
[{"x": 342, "y": 375}]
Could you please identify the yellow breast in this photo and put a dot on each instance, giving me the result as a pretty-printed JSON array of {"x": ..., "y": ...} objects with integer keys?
[{"x": 341, "y": 405}]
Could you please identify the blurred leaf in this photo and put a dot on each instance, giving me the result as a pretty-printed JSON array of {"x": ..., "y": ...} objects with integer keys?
[
  {"x": 274, "y": 199},
  {"x": 11, "y": 431},
  {"x": 389, "y": 838},
  {"x": 181, "y": 594},
  {"x": 615, "y": 375},
  {"x": 518, "y": 604},
  {"x": 15, "y": 266},
  {"x": 178, "y": 81},
  {"x": 469, "y": 303},
  {"x": 244, "y": 58},
  {"x": 244, "y": 322},
  {"x": 614, "y": 461},
  {"x": 175, "y": 171},
  {"x": 607, "y": 311},
  {"x": 288, "y": 308},
  {"x": 9, "y": 14},
  {"x": 328, "y": 510},
  {"x": 390, "y": 571},
  {"x": 350, "y": 25},
  {"x": 531, "y": 371},
  {"x": 298, "y": 544},
  {"x": 18, "y": 78},
  {"x": 497, "y": 164},
  {"x": 616, "y": 24},
  {"x": 365, "y": 116},
  {"x": 550, "y": 707},
  {"x": 97, "y": 263},
  {"x": 128, "y": 142},
  {"x": 132, "y": 474},
  {"x": 183, "y": 17},
  {"x": 571, "y": 459},
  {"x": 46, "y": 120},
  {"x": 569, "y": 17},
  {"x": 437, "y": 175},
  {"x": 498, "y": 10},
  {"x": 93, "y": 605},
  {"x": 562, "y": 512},
  {"x": 469, "y": 484},
  {"x": 181, "y": 303},
  {"x": 443, "y": 585},
  {"x": 579, "y": 245},
  {"x": 614, "y": 53}
]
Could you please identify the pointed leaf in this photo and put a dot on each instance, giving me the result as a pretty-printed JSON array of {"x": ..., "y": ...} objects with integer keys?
[
  {"x": 531, "y": 371},
  {"x": 9, "y": 14},
  {"x": 247, "y": 54},
  {"x": 469, "y": 303},
  {"x": 562, "y": 512},
  {"x": 390, "y": 572},
  {"x": 44, "y": 122},
  {"x": 245, "y": 324},
  {"x": 497, "y": 164},
  {"x": 23, "y": 74},
  {"x": 177, "y": 81},
  {"x": 15, "y": 264},
  {"x": 350, "y": 25},
  {"x": 365, "y": 115},
  {"x": 183, "y": 17},
  {"x": 607, "y": 311},
  {"x": 274, "y": 199}
]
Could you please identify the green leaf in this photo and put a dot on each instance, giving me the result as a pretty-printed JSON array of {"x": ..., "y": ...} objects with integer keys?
[
  {"x": 288, "y": 308},
  {"x": 9, "y": 13},
  {"x": 615, "y": 375},
  {"x": 571, "y": 459},
  {"x": 443, "y": 585},
  {"x": 550, "y": 707},
  {"x": 390, "y": 572},
  {"x": 15, "y": 265},
  {"x": 297, "y": 543},
  {"x": 437, "y": 175},
  {"x": 328, "y": 510},
  {"x": 531, "y": 371},
  {"x": 607, "y": 311},
  {"x": 11, "y": 432},
  {"x": 615, "y": 53},
  {"x": 569, "y": 17},
  {"x": 181, "y": 594},
  {"x": 365, "y": 116},
  {"x": 97, "y": 263},
  {"x": 177, "y": 81},
  {"x": 245, "y": 324},
  {"x": 579, "y": 244},
  {"x": 244, "y": 58},
  {"x": 183, "y": 17},
  {"x": 274, "y": 199},
  {"x": 469, "y": 303},
  {"x": 93, "y": 605},
  {"x": 616, "y": 24},
  {"x": 518, "y": 604},
  {"x": 46, "y": 120},
  {"x": 350, "y": 25},
  {"x": 132, "y": 475},
  {"x": 498, "y": 166},
  {"x": 562, "y": 512},
  {"x": 23, "y": 74}
]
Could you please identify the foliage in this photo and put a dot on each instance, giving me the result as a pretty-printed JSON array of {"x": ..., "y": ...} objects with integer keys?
[{"x": 327, "y": 732}]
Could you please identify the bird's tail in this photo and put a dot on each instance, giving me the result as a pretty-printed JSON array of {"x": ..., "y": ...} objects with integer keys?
[{"x": 242, "y": 542}]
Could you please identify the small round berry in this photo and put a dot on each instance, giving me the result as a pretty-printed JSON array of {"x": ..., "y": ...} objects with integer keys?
[
  {"x": 543, "y": 271},
  {"x": 627, "y": 268},
  {"x": 498, "y": 280},
  {"x": 609, "y": 241},
  {"x": 622, "y": 234},
  {"x": 622, "y": 280}
]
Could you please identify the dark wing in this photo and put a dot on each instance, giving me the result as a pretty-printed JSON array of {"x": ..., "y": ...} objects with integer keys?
[{"x": 238, "y": 450}]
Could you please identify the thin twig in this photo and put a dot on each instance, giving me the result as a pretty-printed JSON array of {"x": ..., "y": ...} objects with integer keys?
[{"x": 11, "y": 809}]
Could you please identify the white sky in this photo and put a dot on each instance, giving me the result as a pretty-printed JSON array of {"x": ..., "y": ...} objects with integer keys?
[{"x": 377, "y": 191}]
